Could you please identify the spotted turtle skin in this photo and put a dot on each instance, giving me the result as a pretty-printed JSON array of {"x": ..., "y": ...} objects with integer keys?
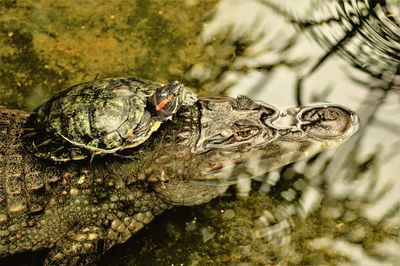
[{"x": 102, "y": 117}]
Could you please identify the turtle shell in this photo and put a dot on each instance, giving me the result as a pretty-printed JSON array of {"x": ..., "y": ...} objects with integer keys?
[{"x": 102, "y": 117}]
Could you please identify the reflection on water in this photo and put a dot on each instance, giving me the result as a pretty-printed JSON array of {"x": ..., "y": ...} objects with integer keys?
[{"x": 341, "y": 207}]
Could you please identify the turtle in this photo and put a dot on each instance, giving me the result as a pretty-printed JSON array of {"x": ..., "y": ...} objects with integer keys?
[{"x": 103, "y": 117}]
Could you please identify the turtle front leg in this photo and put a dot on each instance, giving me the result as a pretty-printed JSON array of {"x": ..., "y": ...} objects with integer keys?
[{"x": 82, "y": 246}]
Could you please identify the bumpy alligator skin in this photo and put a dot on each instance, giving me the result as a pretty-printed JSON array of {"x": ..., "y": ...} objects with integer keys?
[{"x": 79, "y": 209}]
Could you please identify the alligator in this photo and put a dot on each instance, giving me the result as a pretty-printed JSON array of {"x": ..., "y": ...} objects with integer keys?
[{"x": 80, "y": 209}]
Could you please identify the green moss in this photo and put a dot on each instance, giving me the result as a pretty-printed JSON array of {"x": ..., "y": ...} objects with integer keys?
[
  {"x": 23, "y": 74},
  {"x": 49, "y": 45}
]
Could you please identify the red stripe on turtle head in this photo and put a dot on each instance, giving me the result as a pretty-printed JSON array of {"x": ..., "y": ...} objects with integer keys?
[{"x": 162, "y": 104}]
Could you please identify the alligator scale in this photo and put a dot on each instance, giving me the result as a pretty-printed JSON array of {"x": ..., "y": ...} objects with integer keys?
[{"x": 158, "y": 146}]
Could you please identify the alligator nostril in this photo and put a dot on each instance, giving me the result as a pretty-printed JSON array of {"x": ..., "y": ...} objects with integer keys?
[{"x": 329, "y": 122}]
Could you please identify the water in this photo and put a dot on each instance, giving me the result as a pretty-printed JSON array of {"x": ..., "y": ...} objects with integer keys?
[{"x": 340, "y": 208}]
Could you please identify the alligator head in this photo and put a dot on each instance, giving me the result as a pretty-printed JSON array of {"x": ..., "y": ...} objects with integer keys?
[{"x": 228, "y": 135}]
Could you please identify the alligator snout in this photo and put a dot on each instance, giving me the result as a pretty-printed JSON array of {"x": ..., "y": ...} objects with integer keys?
[{"x": 325, "y": 121}]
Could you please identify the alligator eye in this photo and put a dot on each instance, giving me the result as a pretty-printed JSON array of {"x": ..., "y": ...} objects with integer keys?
[
  {"x": 244, "y": 130},
  {"x": 243, "y": 134}
]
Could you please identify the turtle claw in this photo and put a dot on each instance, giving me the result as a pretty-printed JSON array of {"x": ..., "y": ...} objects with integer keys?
[
  {"x": 46, "y": 142},
  {"x": 124, "y": 156},
  {"x": 92, "y": 157},
  {"x": 28, "y": 135},
  {"x": 58, "y": 149}
]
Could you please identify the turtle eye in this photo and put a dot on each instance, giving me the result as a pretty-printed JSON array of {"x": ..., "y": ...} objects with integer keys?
[
  {"x": 161, "y": 105},
  {"x": 167, "y": 99}
]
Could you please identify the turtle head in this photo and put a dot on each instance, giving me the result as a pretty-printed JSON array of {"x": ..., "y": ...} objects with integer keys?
[{"x": 167, "y": 99}]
